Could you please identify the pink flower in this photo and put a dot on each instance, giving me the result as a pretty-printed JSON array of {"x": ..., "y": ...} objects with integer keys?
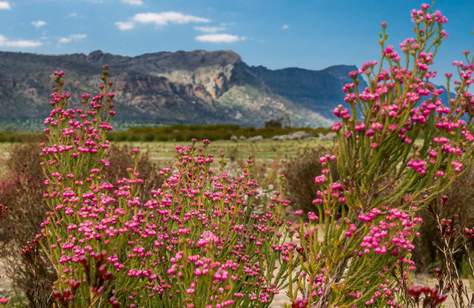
[
  {"x": 457, "y": 165},
  {"x": 419, "y": 165},
  {"x": 336, "y": 127},
  {"x": 320, "y": 179},
  {"x": 59, "y": 74},
  {"x": 312, "y": 216},
  {"x": 206, "y": 238}
]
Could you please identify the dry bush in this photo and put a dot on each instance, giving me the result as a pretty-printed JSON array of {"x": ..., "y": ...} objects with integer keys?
[
  {"x": 21, "y": 193},
  {"x": 299, "y": 173},
  {"x": 459, "y": 205}
]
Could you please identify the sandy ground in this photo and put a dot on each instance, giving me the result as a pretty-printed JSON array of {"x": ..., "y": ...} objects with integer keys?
[{"x": 279, "y": 301}]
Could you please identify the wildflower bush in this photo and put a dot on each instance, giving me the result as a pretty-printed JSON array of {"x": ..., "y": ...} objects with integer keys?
[
  {"x": 203, "y": 238},
  {"x": 398, "y": 148}
]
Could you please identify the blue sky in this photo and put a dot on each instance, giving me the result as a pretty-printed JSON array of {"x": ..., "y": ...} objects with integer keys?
[{"x": 276, "y": 33}]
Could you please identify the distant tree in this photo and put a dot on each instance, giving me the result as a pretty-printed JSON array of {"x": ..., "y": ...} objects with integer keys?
[
  {"x": 281, "y": 122},
  {"x": 275, "y": 123}
]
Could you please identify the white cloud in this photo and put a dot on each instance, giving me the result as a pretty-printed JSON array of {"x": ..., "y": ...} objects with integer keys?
[
  {"x": 39, "y": 23},
  {"x": 209, "y": 29},
  {"x": 5, "y": 42},
  {"x": 219, "y": 38},
  {"x": 133, "y": 2},
  {"x": 72, "y": 38},
  {"x": 159, "y": 20},
  {"x": 285, "y": 27},
  {"x": 124, "y": 25},
  {"x": 5, "y": 5}
]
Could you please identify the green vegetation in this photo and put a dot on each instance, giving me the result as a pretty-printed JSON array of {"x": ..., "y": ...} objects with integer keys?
[
  {"x": 211, "y": 132},
  {"x": 177, "y": 133},
  {"x": 19, "y": 136}
]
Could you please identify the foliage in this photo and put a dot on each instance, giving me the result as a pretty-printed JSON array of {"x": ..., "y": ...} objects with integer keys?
[
  {"x": 211, "y": 132},
  {"x": 277, "y": 123},
  {"x": 176, "y": 133},
  {"x": 18, "y": 136}
]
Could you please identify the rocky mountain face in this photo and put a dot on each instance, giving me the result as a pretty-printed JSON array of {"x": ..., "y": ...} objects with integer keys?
[{"x": 176, "y": 87}]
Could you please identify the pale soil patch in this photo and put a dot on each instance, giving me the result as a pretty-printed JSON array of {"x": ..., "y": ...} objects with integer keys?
[
  {"x": 280, "y": 300},
  {"x": 5, "y": 283}
]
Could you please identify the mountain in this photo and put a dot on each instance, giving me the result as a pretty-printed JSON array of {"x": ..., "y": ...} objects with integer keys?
[{"x": 175, "y": 87}]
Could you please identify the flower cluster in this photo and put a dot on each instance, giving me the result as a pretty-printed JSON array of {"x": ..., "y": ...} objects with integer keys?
[
  {"x": 391, "y": 234},
  {"x": 428, "y": 297}
]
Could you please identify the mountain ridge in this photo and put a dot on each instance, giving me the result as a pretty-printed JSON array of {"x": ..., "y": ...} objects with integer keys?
[{"x": 176, "y": 87}]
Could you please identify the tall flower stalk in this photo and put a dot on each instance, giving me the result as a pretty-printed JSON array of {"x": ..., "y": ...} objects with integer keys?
[{"x": 398, "y": 147}]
